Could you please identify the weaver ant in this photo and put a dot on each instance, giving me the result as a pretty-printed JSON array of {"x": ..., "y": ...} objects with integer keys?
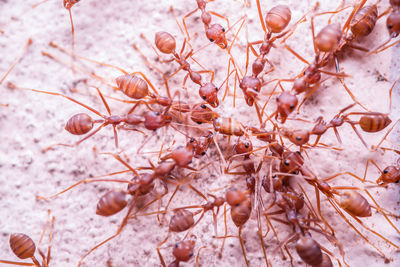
[{"x": 82, "y": 123}]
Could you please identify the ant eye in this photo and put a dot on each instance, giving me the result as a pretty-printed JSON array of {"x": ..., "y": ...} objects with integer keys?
[
  {"x": 157, "y": 113},
  {"x": 204, "y": 97},
  {"x": 211, "y": 40},
  {"x": 203, "y": 153},
  {"x": 298, "y": 138},
  {"x": 223, "y": 29},
  {"x": 287, "y": 162},
  {"x": 390, "y": 26},
  {"x": 177, "y": 245},
  {"x": 274, "y": 176},
  {"x": 203, "y": 106},
  {"x": 397, "y": 181},
  {"x": 385, "y": 171},
  {"x": 216, "y": 88},
  {"x": 291, "y": 106},
  {"x": 198, "y": 122},
  {"x": 191, "y": 254},
  {"x": 191, "y": 140},
  {"x": 246, "y": 145},
  {"x": 304, "y": 73}
]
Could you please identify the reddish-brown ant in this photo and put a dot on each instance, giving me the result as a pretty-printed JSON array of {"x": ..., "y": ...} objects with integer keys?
[
  {"x": 82, "y": 123},
  {"x": 214, "y": 32}
]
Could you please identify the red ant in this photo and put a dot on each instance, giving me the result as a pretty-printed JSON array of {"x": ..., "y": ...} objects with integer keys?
[{"x": 82, "y": 123}]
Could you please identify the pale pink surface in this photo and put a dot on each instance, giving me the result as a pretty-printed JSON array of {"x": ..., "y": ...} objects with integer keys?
[{"x": 105, "y": 31}]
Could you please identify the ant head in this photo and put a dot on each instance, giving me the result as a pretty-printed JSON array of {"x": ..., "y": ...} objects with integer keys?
[
  {"x": 183, "y": 250},
  {"x": 209, "y": 93},
  {"x": 299, "y": 137},
  {"x": 286, "y": 104},
  {"x": 393, "y": 23},
  {"x": 389, "y": 175},
  {"x": 165, "y": 42},
  {"x": 216, "y": 33},
  {"x": 243, "y": 145},
  {"x": 278, "y": 18},
  {"x": 251, "y": 86}
]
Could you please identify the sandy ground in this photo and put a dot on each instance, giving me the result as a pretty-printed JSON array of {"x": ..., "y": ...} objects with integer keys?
[{"x": 106, "y": 32}]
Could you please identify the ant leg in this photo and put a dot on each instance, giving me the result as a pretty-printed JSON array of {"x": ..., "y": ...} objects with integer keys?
[
  {"x": 28, "y": 43},
  {"x": 220, "y": 16},
  {"x": 184, "y": 21},
  {"x": 19, "y": 263},
  {"x": 83, "y": 181},
  {"x": 351, "y": 174},
  {"x": 76, "y": 143},
  {"x": 225, "y": 235},
  {"x": 355, "y": 229},
  {"x": 386, "y": 134},
  {"x": 351, "y": 94},
  {"x": 381, "y": 210},
  {"x": 261, "y": 17},
  {"x": 359, "y": 135},
  {"x": 319, "y": 210},
  {"x": 72, "y": 40},
  {"x": 121, "y": 227},
  {"x": 260, "y": 235},
  {"x": 65, "y": 96},
  {"x": 242, "y": 246}
]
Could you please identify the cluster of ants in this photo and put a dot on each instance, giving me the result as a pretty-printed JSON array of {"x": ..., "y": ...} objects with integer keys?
[{"x": 266, "y": 186}]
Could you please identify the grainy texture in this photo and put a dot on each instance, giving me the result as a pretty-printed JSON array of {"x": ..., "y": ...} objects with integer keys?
[{"x": 105, "y": 31}]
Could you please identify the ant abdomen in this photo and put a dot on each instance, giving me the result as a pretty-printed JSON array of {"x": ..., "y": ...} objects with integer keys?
[
  {"x": 356, "y": 204},
  {"x": 165, "y": 42},
  {"x": 79, "y": 124},
  {"x": 364, "y": 20},
  {"x": 240, "y": 214},
  {"x": 22, "y": 246},
  {"x": 309, "y": 250},
  {"x": 278, "y": 18},
  {"x": 181, "y": 221},
  {"x": 228, "y": 126},
  {"x": 326, "y": 261},
  {"x": 374, "y": 123},
  {"x": 132, "y": 86},
  {"x": 111, "y": 203},
  {"x": 328, "y": 38}
]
